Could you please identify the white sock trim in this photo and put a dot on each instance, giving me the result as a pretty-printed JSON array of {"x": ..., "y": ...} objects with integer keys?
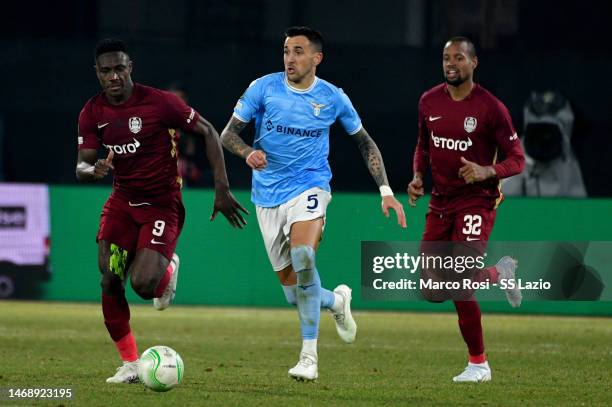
[{"x": 310, "y": 346}]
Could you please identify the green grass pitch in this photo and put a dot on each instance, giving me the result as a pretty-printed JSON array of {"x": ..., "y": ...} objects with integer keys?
[{"x": 240, "y": 357}]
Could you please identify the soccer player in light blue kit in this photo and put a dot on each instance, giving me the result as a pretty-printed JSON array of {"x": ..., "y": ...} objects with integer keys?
[{"x": 293, "y": 111}]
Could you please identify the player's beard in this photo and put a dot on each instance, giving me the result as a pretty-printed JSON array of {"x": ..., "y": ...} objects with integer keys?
[{"x": 455, "y": 82}]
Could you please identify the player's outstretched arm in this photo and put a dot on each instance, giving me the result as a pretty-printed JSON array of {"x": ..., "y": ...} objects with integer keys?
[
  {"x": 374, "y": 162},
  {"x": 230, "y": 137},
  {"x": 89, "y": 168},
  {"x": 224, "y": 200}
]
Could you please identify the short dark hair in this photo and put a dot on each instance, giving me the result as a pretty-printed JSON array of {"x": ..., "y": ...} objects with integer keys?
[
  {"x": 110, "y": 45},
  {"x": 315, "y": 37},
  {"x": 471, "y": 48}
]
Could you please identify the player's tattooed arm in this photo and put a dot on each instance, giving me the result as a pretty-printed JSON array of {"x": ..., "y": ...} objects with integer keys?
[
  {"x": 230, "y": 137},
  {"x": 373, "y": 160},
  {"x": 372, "y": 157}
]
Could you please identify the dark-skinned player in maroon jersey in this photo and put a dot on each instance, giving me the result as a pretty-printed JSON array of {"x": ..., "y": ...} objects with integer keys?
[
  {"x": 143, "y": 217},
  {"x": 462, "y": 130}
]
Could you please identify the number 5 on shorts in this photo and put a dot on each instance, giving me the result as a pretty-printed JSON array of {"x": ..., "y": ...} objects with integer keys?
[
  {"x": 158, "y": 227},
  {"x": 315, "y": 201}
]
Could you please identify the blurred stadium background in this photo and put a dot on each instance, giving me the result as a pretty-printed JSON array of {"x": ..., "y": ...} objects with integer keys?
[{"x": 383, "y": 54}]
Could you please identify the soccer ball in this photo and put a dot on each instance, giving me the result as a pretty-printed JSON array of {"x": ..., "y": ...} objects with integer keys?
[{"x": 160, "y": 368}]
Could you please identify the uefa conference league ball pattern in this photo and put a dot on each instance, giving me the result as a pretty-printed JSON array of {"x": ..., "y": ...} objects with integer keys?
[{"x": 161, "y": 368}]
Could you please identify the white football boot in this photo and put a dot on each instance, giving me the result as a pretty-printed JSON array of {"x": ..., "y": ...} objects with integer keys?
[
  {"x": 164, "y": 301},
  {"x": 506, "y": 269},
  {"x": 306, "y": 368},
  {"x": 474, "y": 373},
  {"x": 345, "y": 324},
  {"x": 127, "y": 373}
]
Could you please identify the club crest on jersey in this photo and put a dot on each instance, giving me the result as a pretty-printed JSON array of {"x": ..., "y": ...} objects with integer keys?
[
  {"x": 316, "y": 108},
  {"x": 469, "y": 124},
  {"x": 135, "y": 124}
]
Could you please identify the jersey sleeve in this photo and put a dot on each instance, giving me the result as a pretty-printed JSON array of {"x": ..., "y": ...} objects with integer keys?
[
  {"x": 250, "y": 102},
  {"x": 87, "y": 129},
  {"x": 177, "y": 114},
  {"x": 420, "y": 160},
  {"x": 508, "y": 142},
  {"x": 348, "y": 116}
]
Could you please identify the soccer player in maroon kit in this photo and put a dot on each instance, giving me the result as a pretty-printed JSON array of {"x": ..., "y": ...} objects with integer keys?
[
  {"x": 461, "y": 129},
  {"x": 142, "y": 219}
]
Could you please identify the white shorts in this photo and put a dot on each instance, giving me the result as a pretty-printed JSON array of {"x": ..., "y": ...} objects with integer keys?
[{"x": 275, "y": 223}]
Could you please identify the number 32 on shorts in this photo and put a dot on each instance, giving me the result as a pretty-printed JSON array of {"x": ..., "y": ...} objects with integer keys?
[{"x": 472, "y": 225}]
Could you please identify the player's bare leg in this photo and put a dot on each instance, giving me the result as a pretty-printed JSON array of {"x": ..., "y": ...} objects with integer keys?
[
  {"x": 165, "y": 296},
  {"x": 153, "y": 276},
  {"x": 288, "y": 280},
  {"x": 287, "y": 276},
  {"x": 113, "y": 262}
]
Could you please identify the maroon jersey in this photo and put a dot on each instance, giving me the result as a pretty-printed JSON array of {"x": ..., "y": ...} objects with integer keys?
[
  {"x": 142, "y": 134},
  {"x": 474, "y": 128}
]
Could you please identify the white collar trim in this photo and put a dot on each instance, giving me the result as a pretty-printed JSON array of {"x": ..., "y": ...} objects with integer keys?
[{"x": 291, "y": 88}]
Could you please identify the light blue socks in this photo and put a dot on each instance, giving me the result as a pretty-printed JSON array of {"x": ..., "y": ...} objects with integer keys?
[
  {"x": 308, "y": 291},
  {"x": 327, "y": 297}
]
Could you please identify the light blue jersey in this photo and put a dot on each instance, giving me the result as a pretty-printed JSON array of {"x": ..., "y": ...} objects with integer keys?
[{"x": 292, "y": 128}]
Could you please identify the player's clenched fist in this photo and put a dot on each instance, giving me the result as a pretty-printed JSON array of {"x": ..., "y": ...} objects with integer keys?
[
  {"x": 102, "y": 166},
  {"x": 257, "y": 160},
  {"x": 472, "y": 172},
  {"x": 415, "y": 190}
]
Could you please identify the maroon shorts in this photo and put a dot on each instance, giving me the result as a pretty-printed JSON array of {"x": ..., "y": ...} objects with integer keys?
[
  {"x": 135, "y": 225},
  {"x": 467, "y": 232},
  {"x": 466, "y": 225}
]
